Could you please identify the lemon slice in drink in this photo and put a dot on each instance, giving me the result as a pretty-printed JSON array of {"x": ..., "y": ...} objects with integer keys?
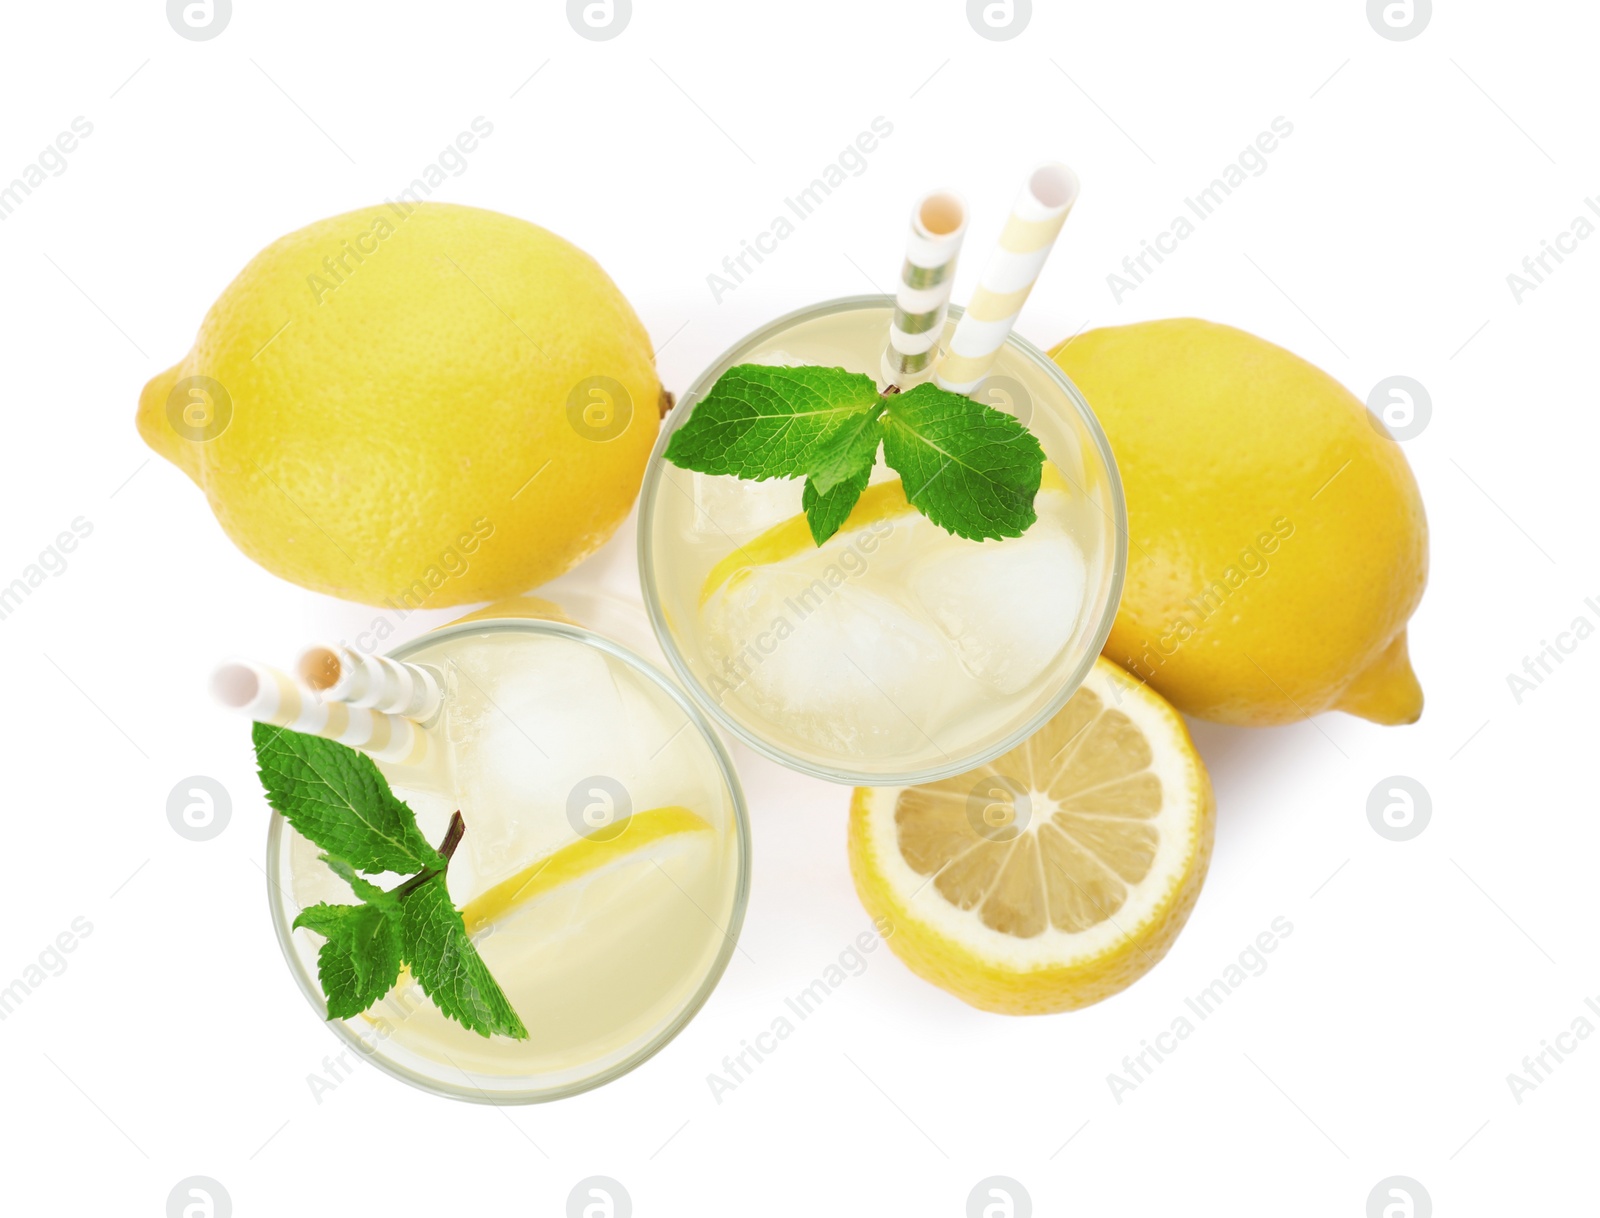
[
  {"x": 580, "y": 858},
  {"x": 880, "y": 501},
  {"x": 1055, "y": 876}
]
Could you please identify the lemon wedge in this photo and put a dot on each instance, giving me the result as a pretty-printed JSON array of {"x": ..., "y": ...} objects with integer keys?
[
  {"x": 1055, "y": 876},
  {"x": 577, "y": 859}
]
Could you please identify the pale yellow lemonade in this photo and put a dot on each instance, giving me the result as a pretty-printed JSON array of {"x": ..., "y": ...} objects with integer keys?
[
  {"x": 601, "y": 876},
  {"x": 895, "y": 648}
]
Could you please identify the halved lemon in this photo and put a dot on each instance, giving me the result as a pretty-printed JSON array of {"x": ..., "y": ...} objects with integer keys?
[
  {"x": 576, "y": 859},
  {"x": 1055, "y": 876}
]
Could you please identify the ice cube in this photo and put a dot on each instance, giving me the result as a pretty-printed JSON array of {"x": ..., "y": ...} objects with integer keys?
[
  {"x": 738, "y": 510},
  {"x": 533, "y": 717},
  {"x": 1008, "y": 608},
  {"x": 843, "y": 668}
]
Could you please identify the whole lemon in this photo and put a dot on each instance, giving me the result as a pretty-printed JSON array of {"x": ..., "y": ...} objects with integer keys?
[
  {"x": 414, "y": 403},
  {"x": 1276, "y": 540}
]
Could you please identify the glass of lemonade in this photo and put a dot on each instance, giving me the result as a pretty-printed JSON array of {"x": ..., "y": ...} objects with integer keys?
[
  {"x": 603, "y": 875},
  {"x": 895, "y": 652}
]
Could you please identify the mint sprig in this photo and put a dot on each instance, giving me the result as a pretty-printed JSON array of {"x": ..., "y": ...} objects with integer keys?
[
  {"x": 971, "y": 469},
  {"x": 338, "y": 799}
]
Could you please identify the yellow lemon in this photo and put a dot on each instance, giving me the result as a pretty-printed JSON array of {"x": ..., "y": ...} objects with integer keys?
[
  {"x": 1276, "y": 540},
  {"x": 414, "y": 404},
  {"x": 1055, "y": 876}
]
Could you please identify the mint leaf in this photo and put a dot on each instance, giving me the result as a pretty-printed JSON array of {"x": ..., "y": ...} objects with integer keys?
[
  {"x": 360, "y": 961},
  {"x": 759, "y": 422},
  {"x": 851, "y": 452},
  {"x": 365, "y": 890},
  {"x": 841, "y": 475},
  {"x": 826, "y": 513},
  {"x": 434, "y": 942},
  {"x": 335, "y": 797},
  {"x": 971, "y": 469}
]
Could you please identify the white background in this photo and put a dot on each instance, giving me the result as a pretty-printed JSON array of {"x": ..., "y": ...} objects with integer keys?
[{"x": 1378, "y": 242}]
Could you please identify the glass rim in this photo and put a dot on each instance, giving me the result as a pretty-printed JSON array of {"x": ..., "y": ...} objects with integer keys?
[
  {"x": 840, "y": 774},
  {"x": 277, "y": 900}
]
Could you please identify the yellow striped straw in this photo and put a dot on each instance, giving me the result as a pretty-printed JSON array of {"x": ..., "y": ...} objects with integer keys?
[
  {"x": 938, "y": 224},
  {"x": 270, "y": 695},
  {"x": 1025, "y": 243},
  {"x": 342, "y": 674}
]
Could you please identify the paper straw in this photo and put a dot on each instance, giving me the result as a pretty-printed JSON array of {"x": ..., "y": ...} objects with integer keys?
[
  {"x": 1025, "y": 243},
  {"x": 341, "y": 674},
  {"x": 938, "y": 224},
  {"x": 269, "y": 695}
]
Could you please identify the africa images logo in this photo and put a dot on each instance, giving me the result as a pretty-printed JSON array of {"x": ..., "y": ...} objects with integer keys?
[
  {"x": 999, "y": 1197},
  {"x": 599, "y": 1197}
]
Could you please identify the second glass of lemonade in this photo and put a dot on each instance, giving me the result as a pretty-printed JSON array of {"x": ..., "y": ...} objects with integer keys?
[
  {"x": 895, "y": 652},
  {"x": 602, "y": 877}
]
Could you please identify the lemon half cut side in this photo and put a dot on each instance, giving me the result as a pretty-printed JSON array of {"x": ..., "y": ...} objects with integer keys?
[{"x": 1056, "y": 875}]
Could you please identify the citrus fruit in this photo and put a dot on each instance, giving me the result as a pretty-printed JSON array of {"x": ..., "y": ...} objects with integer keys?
[
  {"x": 1276, "y": 540},
  {"x": 1056, "y": 875},
  {"x": 414, "y": 404}
]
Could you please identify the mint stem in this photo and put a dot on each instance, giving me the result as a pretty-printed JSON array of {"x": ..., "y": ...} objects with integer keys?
[
  {"x": 453, "y": 835},
  {"x": 447, "y": 848}
]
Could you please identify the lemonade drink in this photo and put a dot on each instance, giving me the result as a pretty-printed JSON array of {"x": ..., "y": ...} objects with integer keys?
[
  {"x": 602, "y": 876},
  {"x": 895, "y": 652}
]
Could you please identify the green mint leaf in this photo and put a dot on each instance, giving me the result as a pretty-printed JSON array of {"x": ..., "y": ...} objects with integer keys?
[
  {"x": 851, "y": 452},
  {"x": 826, "y": 513},
  {"x": 971, "y": 469},
  {"x": 760, "y": 422},
  {"x": 364, "y": 889},
  {"x": 335, "y": 797},
  {"x": 360, "y": 961},
  {"x": 434, "y": 942},
  {"x": 841, "y": 475}
]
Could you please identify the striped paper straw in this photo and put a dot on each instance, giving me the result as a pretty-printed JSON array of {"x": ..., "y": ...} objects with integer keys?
[
  {"x": 341, "y": 674},
  {"x": 1025, "y": 243},
  {"x": 938, "y": 224},
  {"x": 270, "y": 695}
]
